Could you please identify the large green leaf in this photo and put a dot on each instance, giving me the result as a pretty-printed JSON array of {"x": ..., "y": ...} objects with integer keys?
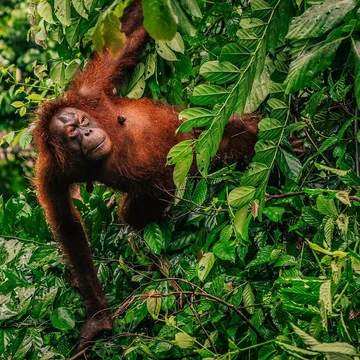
[
  {"x": 181, "y": 170},
  {"x": 289, "y": 164},
  {"x": 153, "y": 237},
  {"x": 194, "y": 117},
  {"x": 319, "y": 19},
  {"x": 219, "y": 72},
  {"x": 225, "y": 250},
  {"x": 264, "y": 152},
  {"x": 178, "y": 152},
  {"x": 255, "y": 175},
  {"x": 159, "y": 19},
  {"x": 241, "y": 196},
  {"x": 192, "y": 7},
  {"x": 183, "y": 340},
  {"x": 185, "y": 24},
  {"x": 259, "y": 92},
  {"x": 45, "y": 11},
  {"x": 304, "y": 68},
  {"x": 63, "y": 318},
  {"x": 164, "y": 51},
  {"x": 249, "y": 299},
  {"x": 233, "y": 52},
  {"x": 63, "y": 11},
  {"x": 80, "y": 8},
  {"x": 270, "y": 129},
  {"x": 208, "y": 95},
  {"x": 336, "y": 348}
]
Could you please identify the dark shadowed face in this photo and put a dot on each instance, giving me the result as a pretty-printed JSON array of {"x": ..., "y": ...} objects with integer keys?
[{"x": 81, "y": 135}]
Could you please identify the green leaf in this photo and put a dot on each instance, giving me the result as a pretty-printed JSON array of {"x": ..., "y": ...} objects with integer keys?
[
  {"x": 181, "y": 170},
  {"x": 260, "y": 5},
  {"x": 138, "y": 89},
  {"x": 114, "y": 39},
  {"x": 17, "y": 104},
  {"x": 319, "y": 19},
  {"x": 63, "y": 11},
  {"x": 164, "y": 51},
  {"x": 318, "y": 248},
  {"x": 153, "y": 304},
  {"x": 8, "y": 138},
  {"x": 295, "y": 351},
  {"x": 35, "y": 97},
  {"x": 328, "y": 231},
  {"x": 63, "y": 318},
  {"x": 45, "y": 11},
  {"x": 241, "y": 196},
  {"x": 326, "y": 206},
  {"x": 22, "y": 111},
  {"x": 259, "y": 92},
  {"x": 264, "y": 152},
  {"x": 289, "y": 164},
  {"x": 343, "y": 196},
  {"x": 179, "y": 152},
  {"x": 200, "y": 192},
  {"x": 262, "y": 257},
  {"x": 332, "y": 170},
  {"x": 183, "y": 340},
  {"x": 72, "y": 32},
  {"x": 150, "y": 65},
  {"x": 219, "y": 72},
  {"x": 274, "y": 213},
  {"x": 177, "y": 43},
  {"x": 159, "y": 19},
  {"x": 192, "y": 8},
  {"x": 270, "y": 129},
  {"x": 335, "y": 348},
  {"x": 226, "y": 233},
  {"x": 248, "y": 299},
  {"x": 309, "y": 64},
  {"x": 186, "y": 26},
  {"x": 205, "y": 265},
  {"x": 234, "y": 53},
  {"x": 240, "y": 222},
  {"x": 80, "y": 8},
  {"x": 225, "y": 250},
  {"x": 325, "y": 296},
  {"x": 208, "y": 95},
  {"x": 194, "y": 117},
  {"x": 57, "y": 72},
  {"x": 153, "y": 237},
  {"x": 332, "y": 140},
  {"x": 255, "y": 175},
  {"x": 25, "y": 138},
  {"x": 306, "y": 338}
]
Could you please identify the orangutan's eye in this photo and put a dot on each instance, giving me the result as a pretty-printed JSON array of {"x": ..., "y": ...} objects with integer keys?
[
  {"x": 84, "y": 121},
  {"x": 71, "y": 130}
]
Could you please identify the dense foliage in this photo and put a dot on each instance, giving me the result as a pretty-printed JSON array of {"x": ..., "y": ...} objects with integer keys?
[{"x": 241, "y": 267}]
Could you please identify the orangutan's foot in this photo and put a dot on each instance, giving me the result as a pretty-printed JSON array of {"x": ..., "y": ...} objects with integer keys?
[{"x": 93, "y": 328}]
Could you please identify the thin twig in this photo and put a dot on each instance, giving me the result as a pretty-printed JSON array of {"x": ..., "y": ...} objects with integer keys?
[
  {"x": 282, "y": 196},
  {"x": 316, "y": 147},
  {"x": 299, "y": 193},
  {"x": 191, "y": 202},
  {"x": 52, "y": 244},
  {"x": 209, "y": 296},
  {"x": 200, "y": 323}
]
